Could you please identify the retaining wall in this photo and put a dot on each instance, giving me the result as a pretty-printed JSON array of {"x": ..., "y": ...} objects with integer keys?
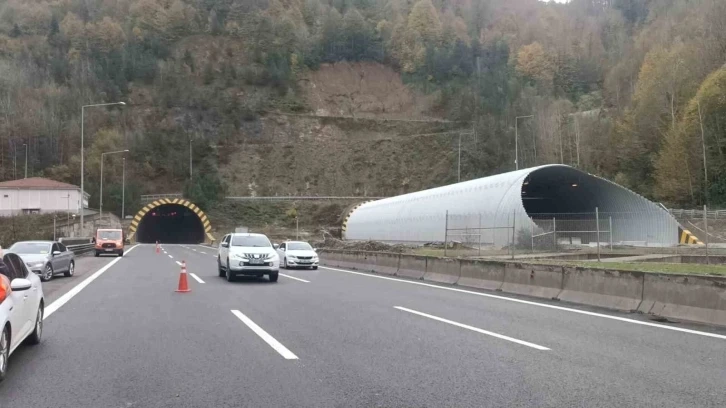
[{"x": 682, "y": 297}]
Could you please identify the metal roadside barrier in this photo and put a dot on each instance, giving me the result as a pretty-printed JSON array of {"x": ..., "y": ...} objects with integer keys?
[
  {"x": 684, "y": 297},
  {"x": 81, "y": 248}
]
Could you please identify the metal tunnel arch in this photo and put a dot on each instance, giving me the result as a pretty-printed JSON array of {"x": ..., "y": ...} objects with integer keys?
[
  {"x": 178, "y": 201},
  {"x": 510, "y": 199}
]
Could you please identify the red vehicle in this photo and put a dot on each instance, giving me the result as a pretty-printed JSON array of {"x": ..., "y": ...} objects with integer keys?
[{"x": 110, "y": 241}]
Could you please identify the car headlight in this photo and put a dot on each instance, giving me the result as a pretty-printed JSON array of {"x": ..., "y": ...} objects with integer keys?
[
  {"x": 35, "y": 264},
  {"x": 271, "y": 256},
  {"x": 240, "y": 256},
  {"x": 293, "y": 257}
]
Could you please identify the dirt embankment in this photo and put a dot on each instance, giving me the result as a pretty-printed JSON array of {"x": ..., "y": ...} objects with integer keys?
[{"x": 363, "y": 90}]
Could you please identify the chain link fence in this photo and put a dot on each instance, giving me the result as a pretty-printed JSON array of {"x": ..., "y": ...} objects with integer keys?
[{"x": 601, "y": 233}]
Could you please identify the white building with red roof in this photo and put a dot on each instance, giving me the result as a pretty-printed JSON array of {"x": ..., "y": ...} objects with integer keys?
[{"x": 37, "y": 195}]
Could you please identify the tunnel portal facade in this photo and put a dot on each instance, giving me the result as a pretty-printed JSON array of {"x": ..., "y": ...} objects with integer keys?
[{"x": 176, "y": 221}]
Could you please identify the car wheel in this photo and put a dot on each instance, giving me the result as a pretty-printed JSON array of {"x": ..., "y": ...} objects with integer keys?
[
  {"x": 97, "y": 253},
  {"x": 273, "y": 276},
  {"x": 219, "y": 268},
  {"x": 71, "y": 270},
  {"x": 47, "y": 273},
  {"x": 37, "y": 333},
  {"x": 315, "y": 268},
  {"x": 121, "y": 254},
  {"x": 230, "y": 275},
  {"x": 4, "y": 351}
]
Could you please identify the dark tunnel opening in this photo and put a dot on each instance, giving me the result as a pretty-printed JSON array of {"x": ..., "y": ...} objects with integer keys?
[
  {"x": 170, "y": 224},
  {"x": 557, "y": 190}
]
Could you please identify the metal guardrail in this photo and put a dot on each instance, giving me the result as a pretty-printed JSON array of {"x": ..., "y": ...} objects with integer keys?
[
  {"x": 81, "y": 248},
  {"x": 716, "y": 214},
  {"x": 152, "y": 197}
]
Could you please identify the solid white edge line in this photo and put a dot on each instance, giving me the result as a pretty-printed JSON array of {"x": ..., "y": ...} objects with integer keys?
[
  {"x": 196, "y": 277},
  {"x": 284, "y": 352},
  {"x": 53, "y": 307},
  {"x": 531, "y": 303},
  {"x": 476, "y": 329},
  {"x": 292, "y": 277}
]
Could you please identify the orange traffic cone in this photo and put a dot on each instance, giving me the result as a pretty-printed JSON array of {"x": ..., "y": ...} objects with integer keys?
[{"x": 183, "y": 284}]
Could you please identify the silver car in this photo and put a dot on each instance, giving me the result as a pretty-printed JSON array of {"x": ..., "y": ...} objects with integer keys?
[{"x": 45, "y": 258}]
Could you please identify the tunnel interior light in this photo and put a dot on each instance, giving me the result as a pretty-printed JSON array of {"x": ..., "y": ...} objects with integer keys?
[{"x": 574, "y": 184}]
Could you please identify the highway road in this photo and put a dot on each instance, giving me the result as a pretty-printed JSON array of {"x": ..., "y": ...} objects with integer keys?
[{"x": 336, "y": 338}]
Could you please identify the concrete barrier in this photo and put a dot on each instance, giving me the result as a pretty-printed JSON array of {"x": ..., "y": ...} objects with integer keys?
[
  {"x": 329, "y": 258},
  {"x": 619, "y": 290},
  {"x": 387, "y": 263},
  {"x": 694, "y": 298},
  {"x": 350, "y": 260},
  {"x": 533, "y": 280},
  {"x": 481, "y": 274},
  {"x": 442, "y": 270},
  {"x": 412, "y": 266}
]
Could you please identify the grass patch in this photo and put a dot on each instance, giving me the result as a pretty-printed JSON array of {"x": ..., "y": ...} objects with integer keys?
[{"x": 650, "y": 267}]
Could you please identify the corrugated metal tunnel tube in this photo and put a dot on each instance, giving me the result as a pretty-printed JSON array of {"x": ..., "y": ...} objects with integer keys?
[{"x": 531, "y": 197}]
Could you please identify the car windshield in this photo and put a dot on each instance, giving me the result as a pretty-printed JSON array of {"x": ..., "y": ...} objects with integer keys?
[
  {"x": 250, "y": 241},
  {"x": 299, "y": 246},
  {"x": 109, "y": 235},
  {"x": 30, "y": 248}
]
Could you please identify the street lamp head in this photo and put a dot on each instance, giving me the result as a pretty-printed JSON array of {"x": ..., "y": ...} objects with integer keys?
[
  {"x": 122, "y": 103},
  {"x": 126, "y": 150}
]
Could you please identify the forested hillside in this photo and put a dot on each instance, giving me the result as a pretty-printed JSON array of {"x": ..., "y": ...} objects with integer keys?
[{"x": 632, "y": 90}]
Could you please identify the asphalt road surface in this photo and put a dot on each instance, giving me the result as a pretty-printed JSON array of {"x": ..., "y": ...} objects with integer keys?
[{"x": 335, "y": 338}]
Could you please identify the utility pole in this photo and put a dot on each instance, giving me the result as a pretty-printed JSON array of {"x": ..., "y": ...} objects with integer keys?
[
  {"x": 516, "y": 139},
  {"x": 100, "y": 202},
  {"x": 83, "y": 154},
  {"x": 68, "y": 210},
  {"x": 15, "y": 161},
  {"x": 26, "y": 159},
  {"x": 577, "y": 140},
  {"x": 190, "y": 158},
  {"x": 703, "y": 146},
  {"x": 459, "y": 169}
]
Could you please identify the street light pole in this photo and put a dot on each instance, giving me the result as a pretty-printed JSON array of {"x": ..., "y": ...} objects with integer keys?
[
  {"x": 123, "y": 189},
  {"x": 82, "y": 153},
  {"x": 459, "y": 169},
  {"x": 190, "y": 158},
  {"x": 516, "y": 139},
  {"x": 100, "y": 200},
  {"x": 26, "y": 160}
]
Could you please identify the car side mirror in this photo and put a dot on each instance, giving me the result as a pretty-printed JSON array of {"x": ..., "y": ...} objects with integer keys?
[
  {"x": 20, "y": 284},
  {"x": 315, "y": 249},
  {"x": 276, "y": 246},
  {"x": 56, "y": 253},
  {"x": 224, "y": 245}
]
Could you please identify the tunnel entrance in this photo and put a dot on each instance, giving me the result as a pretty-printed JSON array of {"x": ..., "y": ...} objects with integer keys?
[
  {"x": 171, "y": 221},
  {"x": 170, "y": 224}
]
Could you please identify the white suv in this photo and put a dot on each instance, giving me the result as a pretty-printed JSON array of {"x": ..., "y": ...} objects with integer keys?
[{"x": 249, "y": 255}]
